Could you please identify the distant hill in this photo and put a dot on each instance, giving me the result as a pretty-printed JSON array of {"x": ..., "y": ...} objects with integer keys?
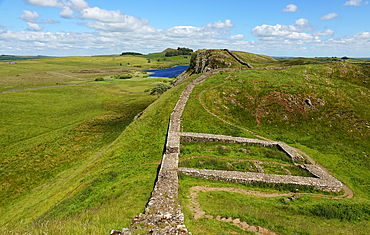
[{"x": 14, "y": 57}]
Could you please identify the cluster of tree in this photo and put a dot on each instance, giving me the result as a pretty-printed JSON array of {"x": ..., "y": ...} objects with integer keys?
[
  {"x": 131, "y": 53},
  {"x": 179, "y": 51}
]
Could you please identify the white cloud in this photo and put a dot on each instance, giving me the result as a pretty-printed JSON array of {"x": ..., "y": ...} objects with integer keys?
[
  {"x": 330, "y": 16},
  {"x": 3, "y": 28},
  {"x": 326, "y": 32},
  {"x": 77, "y": 5},
  {"x": 29, "y": 16},
  {"x": 237, "y": 37},
  {"x": 35, "y": 27},
  {"x": 291, "y": 8},
  {"x": 279, "y": 30},
  {"x": 114, "y": 21},
  {"x": 48, "y": 21},
  {"x": 221, "y": 25},
  {"x": 354, "y": 3},
  {"x": 106, "y": 16},
  {"x": 66, "y": 13},
  {"x": 45, "y": 3}
]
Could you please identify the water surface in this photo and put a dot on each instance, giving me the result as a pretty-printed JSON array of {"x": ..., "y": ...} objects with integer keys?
[{"x": 167, "y": 73}]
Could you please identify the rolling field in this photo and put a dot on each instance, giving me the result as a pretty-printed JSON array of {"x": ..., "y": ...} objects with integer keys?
[
  {"x": 57, "y": 168},
  {"x": 321, "y": 109},
  {"x": 73, "y": 161}
]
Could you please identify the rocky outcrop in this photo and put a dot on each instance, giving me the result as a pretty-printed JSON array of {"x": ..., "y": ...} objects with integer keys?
[
  {"x": 239, "y": 60},
  {"x": 203, "y": 61}
]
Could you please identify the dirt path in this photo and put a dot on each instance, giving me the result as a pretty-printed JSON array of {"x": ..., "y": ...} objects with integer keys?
[
  {"x": 199, "y": 213},
  {"x": 347, "y": 191},
  {"x": 194, "y": 205}
]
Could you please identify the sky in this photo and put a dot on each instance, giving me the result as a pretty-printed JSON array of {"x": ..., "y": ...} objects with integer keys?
[{"x": 307, "y": 28}]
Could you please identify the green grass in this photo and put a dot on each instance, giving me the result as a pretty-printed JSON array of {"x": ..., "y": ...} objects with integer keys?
[
  {"x": 272, "y": 103},
  {"x": 311, "y": 215},
  {"x": 233, "y": 151},
  {"x": 53, "y": 71},
  {"x": 72, "y": 160}
]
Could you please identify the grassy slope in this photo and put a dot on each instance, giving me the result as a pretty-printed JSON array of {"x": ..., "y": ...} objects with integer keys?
[
  {"x": 55, "y": 180},
  {"x": 75, "y": 70},
  {"x": 272, "y": 104}
]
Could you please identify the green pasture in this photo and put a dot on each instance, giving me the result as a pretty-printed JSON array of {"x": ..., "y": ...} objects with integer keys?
[
  {"x": 306, "y": 215},
  {"x": 73, "y": 161},
  {"x": 56, "y": 71},
  {"x": 233, "y": 151},
  {"x": 67, "y": 151}
]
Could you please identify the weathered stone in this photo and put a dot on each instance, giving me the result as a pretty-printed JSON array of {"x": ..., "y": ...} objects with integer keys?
[
  {"x": 218, "y": 217},
  {"x": 252, "y": 229},
  {"x": 244, "y": 225},
  {"x": 229, "y": 219},
  {"x": 115, "y": 232},
  {"x": 236, "y": 221}
]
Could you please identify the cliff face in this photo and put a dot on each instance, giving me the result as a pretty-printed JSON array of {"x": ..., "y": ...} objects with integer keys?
[{"x": 206, "y": 60}]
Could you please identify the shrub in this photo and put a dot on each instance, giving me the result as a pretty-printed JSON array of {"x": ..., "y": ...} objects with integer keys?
[
  {"x": 124, "y": 76},
  {"x": 99, "y": 79},
  {"x": 160, "y": 88}
]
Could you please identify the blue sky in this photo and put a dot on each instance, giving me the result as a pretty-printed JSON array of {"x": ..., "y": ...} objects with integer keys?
[{"x": 270, "y": 27}]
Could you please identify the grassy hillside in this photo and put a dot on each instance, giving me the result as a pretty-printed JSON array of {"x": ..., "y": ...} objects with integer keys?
[
  {"x": 70, "y": 162},
  {"x": 320, "y": 108},
  {"x": 73, "y": 162}
]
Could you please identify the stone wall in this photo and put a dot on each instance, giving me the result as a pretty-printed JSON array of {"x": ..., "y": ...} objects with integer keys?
[
  {"x": 163, "y": 212},
  {"x": 324, "y": 184},
  {"x": 239, "y": 60},
  {"x": 200, "y": 137}
]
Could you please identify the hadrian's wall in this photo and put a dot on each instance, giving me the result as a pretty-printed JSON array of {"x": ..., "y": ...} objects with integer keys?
[
  {"x": 324, "y": 184},
  {"x": 200, "y": 137},
  {"x": 163, "y": 212}
]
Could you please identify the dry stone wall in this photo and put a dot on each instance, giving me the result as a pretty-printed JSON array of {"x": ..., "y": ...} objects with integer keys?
[
  {"x": 324, "y": 184},
  {"x": 200, "y": 137},
  {"x": 163, "y": 212},
  {"x": 239, "y": 60}
]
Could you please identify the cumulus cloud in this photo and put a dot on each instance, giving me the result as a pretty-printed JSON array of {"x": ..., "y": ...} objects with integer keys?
[
  {"x": 35, "y": 27},
  {"x": 355, "y": 3},
  {"x": 103, "y": 15},
  {"x": 114, "y": 21},
  {"x": 3, "y": 28},
  {"x": 290, "y": 8},
  {"x": 326, "y": 32},
  {"x": 45, "y": 3},
  {"x": 221, "y": 25},
  {"x": 237, "y": 37},
  {"x": 279, "y": 30},
  {"x": 29, "y": 16},
  {"x": 48, "y": 21},
  {"x": 77, "y": 5},
  {"x": 66, "y": 13},
  {"x": 330, "y": 16}
]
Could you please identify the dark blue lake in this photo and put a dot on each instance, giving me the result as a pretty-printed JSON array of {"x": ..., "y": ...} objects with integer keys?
[{"x": 167, "y": 73}]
